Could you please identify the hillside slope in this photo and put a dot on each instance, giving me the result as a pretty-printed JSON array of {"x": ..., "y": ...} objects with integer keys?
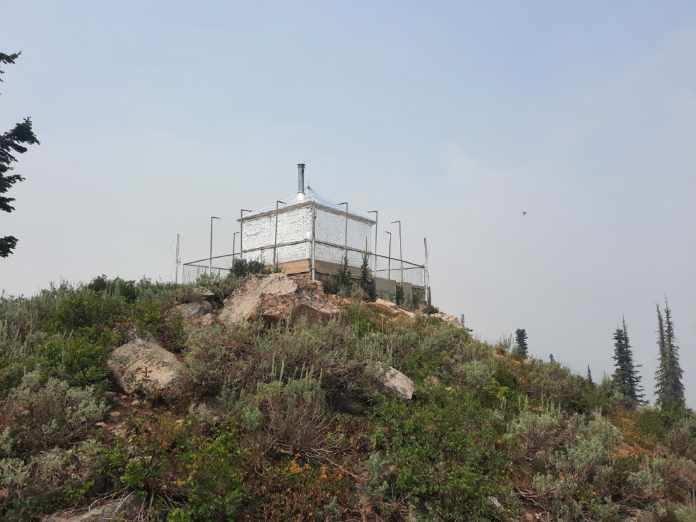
[{"x": 262, "y": 399}]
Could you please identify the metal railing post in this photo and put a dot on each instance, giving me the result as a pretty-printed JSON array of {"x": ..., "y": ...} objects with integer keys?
[
  {"x": 275, "y": 236},
  {"x": 389, "y": 256}
]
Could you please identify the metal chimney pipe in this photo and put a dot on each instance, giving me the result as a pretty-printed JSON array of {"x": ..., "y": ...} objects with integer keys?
[{"x": 300, "y": 178}]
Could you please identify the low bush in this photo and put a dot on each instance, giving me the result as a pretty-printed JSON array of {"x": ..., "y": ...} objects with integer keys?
[
  {"x": 51, "y": 480},
  {"x": 213, "y": 483},
  {"x": 572, "y": 481},
  {"x": 442, "y": 452},
  {"x": 74, "y": 359},
  {"x": 681, "y": 438},
  {"x": 40, "y": 415},
  {"x": 153, "y": 318},
  {"x": 290, "y": 418},
  {"x": 218, "y": 357}
]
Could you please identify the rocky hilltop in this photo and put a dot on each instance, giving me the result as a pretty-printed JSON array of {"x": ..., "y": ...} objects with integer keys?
[{"x": 265, "y": 398}]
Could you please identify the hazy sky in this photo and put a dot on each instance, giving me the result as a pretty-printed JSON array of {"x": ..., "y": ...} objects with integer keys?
[{"x": 453, "y": 116}]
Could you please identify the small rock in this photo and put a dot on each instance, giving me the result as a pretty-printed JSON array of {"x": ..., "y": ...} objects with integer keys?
[{"x": 125, "y": 508}]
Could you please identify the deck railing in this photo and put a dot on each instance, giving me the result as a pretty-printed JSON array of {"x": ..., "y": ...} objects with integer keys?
[{"x": 383, "y": 267}]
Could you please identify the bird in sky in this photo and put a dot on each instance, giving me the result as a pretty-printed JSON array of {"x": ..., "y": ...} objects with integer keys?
[{"x": 524, "y": 212}]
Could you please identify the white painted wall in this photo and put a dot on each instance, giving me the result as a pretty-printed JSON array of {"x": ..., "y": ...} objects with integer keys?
[{"x": 295, "y": 224}]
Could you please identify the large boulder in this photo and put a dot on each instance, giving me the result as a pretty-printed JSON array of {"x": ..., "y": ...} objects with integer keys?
[
  {"x": 277, "y": 297},
  {"x": 146, "y": 368},
  {"x": 394, "y": 381}
]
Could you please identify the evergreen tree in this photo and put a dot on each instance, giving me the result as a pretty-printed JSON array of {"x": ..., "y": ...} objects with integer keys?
[
  {"x": 668, "y": 377},
  {"x": 589, "y": 375},
  {"x": 626, "y": 378},
  {"x": 343, "y": 279},
  {"x": 367, "y": 282},
  {"x": 675, "y": 371},
  {"x": 661, "y": 388},
  {"x": 399, "y": 295},
  {"x": 521, "y": 341},
  {"x": 552, "y": 359},
  {"x": 12, "y": 142}
]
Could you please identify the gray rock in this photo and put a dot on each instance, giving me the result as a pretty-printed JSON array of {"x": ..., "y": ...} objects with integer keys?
[
  {"x": 121, "y": 509},
  {"x": 448, "y": 318},
  {"x": 147, "y": 368},
  {"x": 395, "y": 381},
  {"x": 193, "y": 310},
  {"x": 277, "y": 297}
]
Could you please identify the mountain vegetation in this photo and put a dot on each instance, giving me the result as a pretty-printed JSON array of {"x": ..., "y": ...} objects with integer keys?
[{"x": 298, "y": 420}]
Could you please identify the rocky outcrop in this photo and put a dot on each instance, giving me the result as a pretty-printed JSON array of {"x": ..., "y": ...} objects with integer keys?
[
  {"x": 390, "y": 309},
  {"x": 394, "y": 381},
  {"x": 193, "y": 310},
  {"x": 146, "y": 368},
  {"x": 121, "y": 509},
  {"x": 277, "y": 297},
  {"x": 448, "y": 318}
]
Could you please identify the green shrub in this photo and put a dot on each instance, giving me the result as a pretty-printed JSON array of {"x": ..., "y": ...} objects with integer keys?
[
  {"x": 213, "y": 484},
  {"x": 443, "y": 455},
  {"x": 217, "y": 358},
  {"x": 652, "y": 423},
  {"x": 533, "y": 436},
  {"x": 82, "y": 310},
  {"x": 681, "y": 439},
  {"x": 153, "y": 318},
  {"x": 679, "y": 475},
  {"x": 295, "y": 420},
  {"x": 572, "y": 481},
  {"x": 242, "y": 268},
  {"x": 42, "y": 415},
  {"x": 48, "y": 481},
  {"x": 74, "y": 359}
]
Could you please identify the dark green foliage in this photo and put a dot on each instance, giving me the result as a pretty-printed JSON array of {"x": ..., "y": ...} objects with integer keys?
[
  {"x": 153, "y": 318},
  {"x": 243, "y": 267},
  {"x": 589, "y": 375},
  {"x": 669, "y": 388},
  {"x": 443, "y": 454},
  {"x": 75, "y": 359},
  {"x": 416, "y": 298},
  {"x": 521, "y": 346},
  {"x": 12, "y": 143},
  {"x": 626, "y": 377},
  {"x": 341, "y": 282},
  {"x": 399, "y": 295},
  {"x": 213, "y": 486},
  {"x": 367, "y": 282},
  {"x": 86, "y": 312},
  {"x": 429, "y": 309},
  {"x": 115, "y": 287}
]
